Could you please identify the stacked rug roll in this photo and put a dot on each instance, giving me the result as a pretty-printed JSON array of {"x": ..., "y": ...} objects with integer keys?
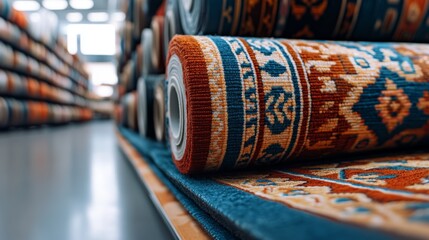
[
  {"x": 328, "y": 19},
  {"x": 333, "y": 135},
  {"x": 129, "y": 110},
  {"x": 141, "y": 72},
  {"x": 40, "y": 83}
]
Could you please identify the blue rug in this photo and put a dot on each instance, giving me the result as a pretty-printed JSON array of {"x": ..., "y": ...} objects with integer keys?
[{"x": 226, "y": 211}]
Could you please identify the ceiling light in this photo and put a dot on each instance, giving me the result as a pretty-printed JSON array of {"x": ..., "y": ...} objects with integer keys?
[
  {"x": 26, "y": 5},
  {"x": 55, "y": 4},
  {"x": 98, "y": 17},
  {"x": 81, "y": 4},
  {"x": 74, "y": 17},
  {"x": 119, "y": 16}
]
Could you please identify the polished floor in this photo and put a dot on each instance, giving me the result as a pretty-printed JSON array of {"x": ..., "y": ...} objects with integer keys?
[{"x": 72, "y": 182}]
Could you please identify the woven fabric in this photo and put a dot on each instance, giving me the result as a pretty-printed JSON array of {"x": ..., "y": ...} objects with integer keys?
[
  {"x": 147, "y": 43},
  {"x": 129, "y": 110},
  {"x": 390, "y": 191},
  {"x": 150, "y": 9},
  {"x": 23, "y": 53},
  {"x": 172, "y": 24},
  {"x": 402, "y": 20},
  {"x": 14, "y": 85},
  {"x": 183, "y": 215},
  {"x": 145, "y": 107},
  {"x": 159, "y": 111},
  {"x": 157, "y": 56},
  {"x": 252, "y": 206},
  {"x": 10, "y": 13},
  {"x": 20, "y": 113},
  {"x": 253, "y": 102}
]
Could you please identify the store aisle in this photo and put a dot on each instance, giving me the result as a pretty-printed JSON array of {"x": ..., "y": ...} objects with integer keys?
[{"x": 72, "y": 182}]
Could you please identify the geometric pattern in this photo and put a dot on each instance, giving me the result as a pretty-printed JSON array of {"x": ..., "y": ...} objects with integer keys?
[
  {"x": 265, "y": 101},
  {"x": 381, "y": 20},
  {"x": 388, "y": 193}
]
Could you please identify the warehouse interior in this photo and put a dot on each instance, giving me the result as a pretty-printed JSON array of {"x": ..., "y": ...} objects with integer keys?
[
  {"x": 70, "y": 180},
  {"x": 214, "y": 119}
]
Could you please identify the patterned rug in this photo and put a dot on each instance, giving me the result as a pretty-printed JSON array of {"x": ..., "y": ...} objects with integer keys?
[
  {"x": 249, "y": 102},
  {"x": 375, "y": 197},
  {"x": 382, "y": 20}
]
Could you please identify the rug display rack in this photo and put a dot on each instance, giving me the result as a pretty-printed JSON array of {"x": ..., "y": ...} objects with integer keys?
[{"x": 40, "y": 82}]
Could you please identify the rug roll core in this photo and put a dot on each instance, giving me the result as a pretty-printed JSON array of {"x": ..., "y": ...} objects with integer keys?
[
  {"x": 159, "y": 112},
  {"x": 176, "y": 108},
  {"x": 238, "y": 102}
]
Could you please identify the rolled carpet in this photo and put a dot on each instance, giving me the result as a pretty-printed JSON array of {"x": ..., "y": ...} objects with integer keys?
[
  {"x": 237, "y": 102},
  {"x": 139, "y": 61},
  {"x": 159, "y": 111},
  {"x": 402, "y": 20},
  {"x": 145, "y": 108},
  {"x": 129, "y": 107},
  {"x": 147, "y": 43},
  {"x": 172, "y": 24},
  {"x": 20, "y": 113},
  {"x": 138, "y": 18},
  {"x": 150, "y": 7},
  {"x": 4, "y": 113},
  {"x": 157, "y": 53}
]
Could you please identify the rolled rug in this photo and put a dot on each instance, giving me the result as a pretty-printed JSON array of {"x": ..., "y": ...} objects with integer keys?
[
  {"x": 19, "y": 112},
  {"x": 159, "y": 111},
  {"x": 157, "y": 53},
  {"x": 128, "y": 37},
  {"x": 138, "y": 18},
  {"x": 172, "y": 24},
  {"x": 194, "y": 16},
  {"x": 139, "y": 61},
  {"x": 3, "y": 82},
  {"x": 30, "y": 86},
  {"x": 20, "y": 61},
  {"x": 7, "y": 55},
  {"x": 146, "y": 92},
  {"x": 34, "y": 113},
  {"x": 19, "y": 85},
  {"x": 51, "y": 114},
  {"x": 4, "y": 113},
  {"x": 130, "y": 110},
  {"x": 128, "y": 75},
  {"x": 146, "y": 42},
  {"x": 132, "y": 82},
  {"x": 150, "y": 8},
  {"x": 359, "y": 20},
  {"x": 5, "y": 9},
  {"x": 251, "y": 102}
]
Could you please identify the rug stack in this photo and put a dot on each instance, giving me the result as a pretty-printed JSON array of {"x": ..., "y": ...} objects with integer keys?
[
  {"x": 40, "y": 82},
  {"x": 319, "y": 132}
]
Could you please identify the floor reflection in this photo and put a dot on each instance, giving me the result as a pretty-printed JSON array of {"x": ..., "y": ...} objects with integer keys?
[{"x": 71, "y": 182}]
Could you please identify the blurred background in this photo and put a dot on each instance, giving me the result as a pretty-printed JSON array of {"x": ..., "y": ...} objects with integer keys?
[
  {"x": 89, "y": 29},
  {"x": 62, "y": 175}
]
